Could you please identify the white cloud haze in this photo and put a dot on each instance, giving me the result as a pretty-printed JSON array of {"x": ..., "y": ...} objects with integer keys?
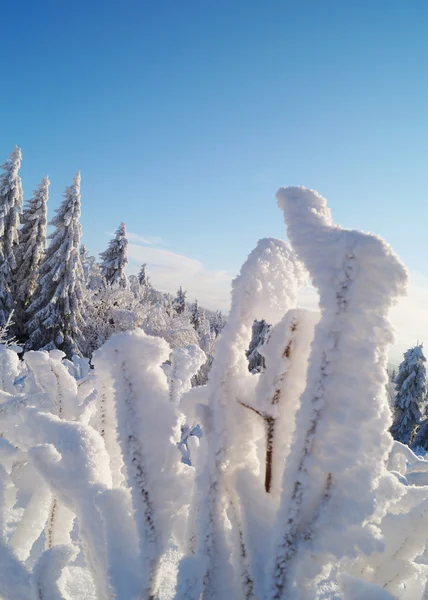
[{"x": 168, "y": 270}]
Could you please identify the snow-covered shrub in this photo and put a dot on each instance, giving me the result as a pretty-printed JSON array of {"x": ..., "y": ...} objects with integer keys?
[{"x": 293, "y": 488}]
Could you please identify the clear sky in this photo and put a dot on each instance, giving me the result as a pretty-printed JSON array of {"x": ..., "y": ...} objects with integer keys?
[{"x": 185, "y": 116}]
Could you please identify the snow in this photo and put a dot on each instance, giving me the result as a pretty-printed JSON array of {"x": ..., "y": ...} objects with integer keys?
[{"x": 288, "y": 483}]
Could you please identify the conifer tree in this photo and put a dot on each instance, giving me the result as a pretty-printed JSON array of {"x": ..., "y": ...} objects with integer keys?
[
  {"x": 179, "y": 302},
  {"x": 115, "y": 259},
  {"x": 411, "y": 387},
  {"x": 91, "y": 270},
  {"x": 10, "y": 210},
  {"x": 260, "y": 332},
  {"x": 143, "y": 278},
  {"x": 29, "y": 254},
  {"x": 55, "y": 315},
  {"x": 196, "y": 315}
]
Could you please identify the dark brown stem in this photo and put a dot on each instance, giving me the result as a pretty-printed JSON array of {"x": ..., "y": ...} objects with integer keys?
[
  {"x": 270, "y": 429},
  {"x": 251, "y": 408}
]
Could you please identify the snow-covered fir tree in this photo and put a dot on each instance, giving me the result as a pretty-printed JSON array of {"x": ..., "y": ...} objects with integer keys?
[
  {"x": 30, "y": 251},
  {"x": 197, "y": 315},
  {"x": 217, "y": 323},
  {"x": 260, "y": 331},
  {"x": 142, "y": 285},
  {"x": 10, "y": 210},
  {"x": 411, "y": 387},
  {"x": 179, "y": 302},
  {"x": 143, "y": 278},
  {"x": 56, "y": 313},
  {"x": 115, "y": 258}
]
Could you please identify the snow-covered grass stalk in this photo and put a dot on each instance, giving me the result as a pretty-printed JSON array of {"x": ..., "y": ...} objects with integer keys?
[
  {"x": 334, "y": 467},
  {"x": 148, "y": 433},
  {"x": 266, "y": 287},
  {"x": 105, "y": 421}
]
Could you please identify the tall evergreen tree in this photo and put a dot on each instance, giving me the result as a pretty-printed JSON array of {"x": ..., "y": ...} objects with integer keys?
[
  {"x": 56, "y": 311},
  {"x": 196, "y": 315},
  {"x": 115, "y": 259},
  {"x": 260, "y": 332},
  {"x": 143, "y": 278},
  {"x": 179, "y": 302},
  {"x": 29, "y": 254},
  {"x": 411, "y": 387},
  {"x": 10, "y": 210},
  {"x": 217, "y": 323}
]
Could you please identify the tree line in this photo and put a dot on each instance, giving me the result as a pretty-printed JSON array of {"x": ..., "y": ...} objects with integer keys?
[{"x": 62, "y": 298}]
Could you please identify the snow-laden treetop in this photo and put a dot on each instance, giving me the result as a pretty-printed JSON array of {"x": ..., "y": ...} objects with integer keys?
[{"x": 10, "y": 204}]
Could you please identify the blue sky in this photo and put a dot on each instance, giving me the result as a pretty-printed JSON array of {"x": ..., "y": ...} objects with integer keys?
[{"x": 184, "y": 118}]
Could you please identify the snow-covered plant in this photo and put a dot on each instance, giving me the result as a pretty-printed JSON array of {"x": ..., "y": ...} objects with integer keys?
[
  {"x": 55, "y": 315},
  {"x": 217, "y": 322},
  {"x": 197, "y": 314},
  {"x": 267, "y": 285},
  {"x": 322, "y": 502},
  {"x": 410, "y": 400},
  {"x": 143, "y": 278},
  {"x": 91, "y": 270},
  {"x": 284, "y": 493},
  {"x": 173, "y": 327},
  {"x": 179, "y": 302},
  {"x": 115, "y": 259},
  {"x": 110, "y": 309},
  {"x": 185, "y": 362},
  {"x": 285, "y": 353},
  {"x": 29, "y": 253},
  {"x": 148, "y": 425},
  {"x": 11, "y": 198},
  {"x": 256, "y": 362}
]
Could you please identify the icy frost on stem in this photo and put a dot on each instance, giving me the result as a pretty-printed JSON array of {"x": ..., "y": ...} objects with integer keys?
[{"x": 358, "y": 277}]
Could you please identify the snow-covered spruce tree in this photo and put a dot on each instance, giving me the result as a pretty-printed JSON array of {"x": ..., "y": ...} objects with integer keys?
[
  {"x": 323, "y": 499},
  {"x": 179, "y": 302},
  {"x": 256, "y": 362},
  {"x": 56, "y": 313},
  {"x": 143, "y": 278},
  {"x": 217, "y": 323},
  {"x": 10, "y": 210},
  {"x": 29, "y": 253},
  {"x": 196, "y": 315},
  {"x": 115, "y": 259},
  {"x": 411, "y": 388}
]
